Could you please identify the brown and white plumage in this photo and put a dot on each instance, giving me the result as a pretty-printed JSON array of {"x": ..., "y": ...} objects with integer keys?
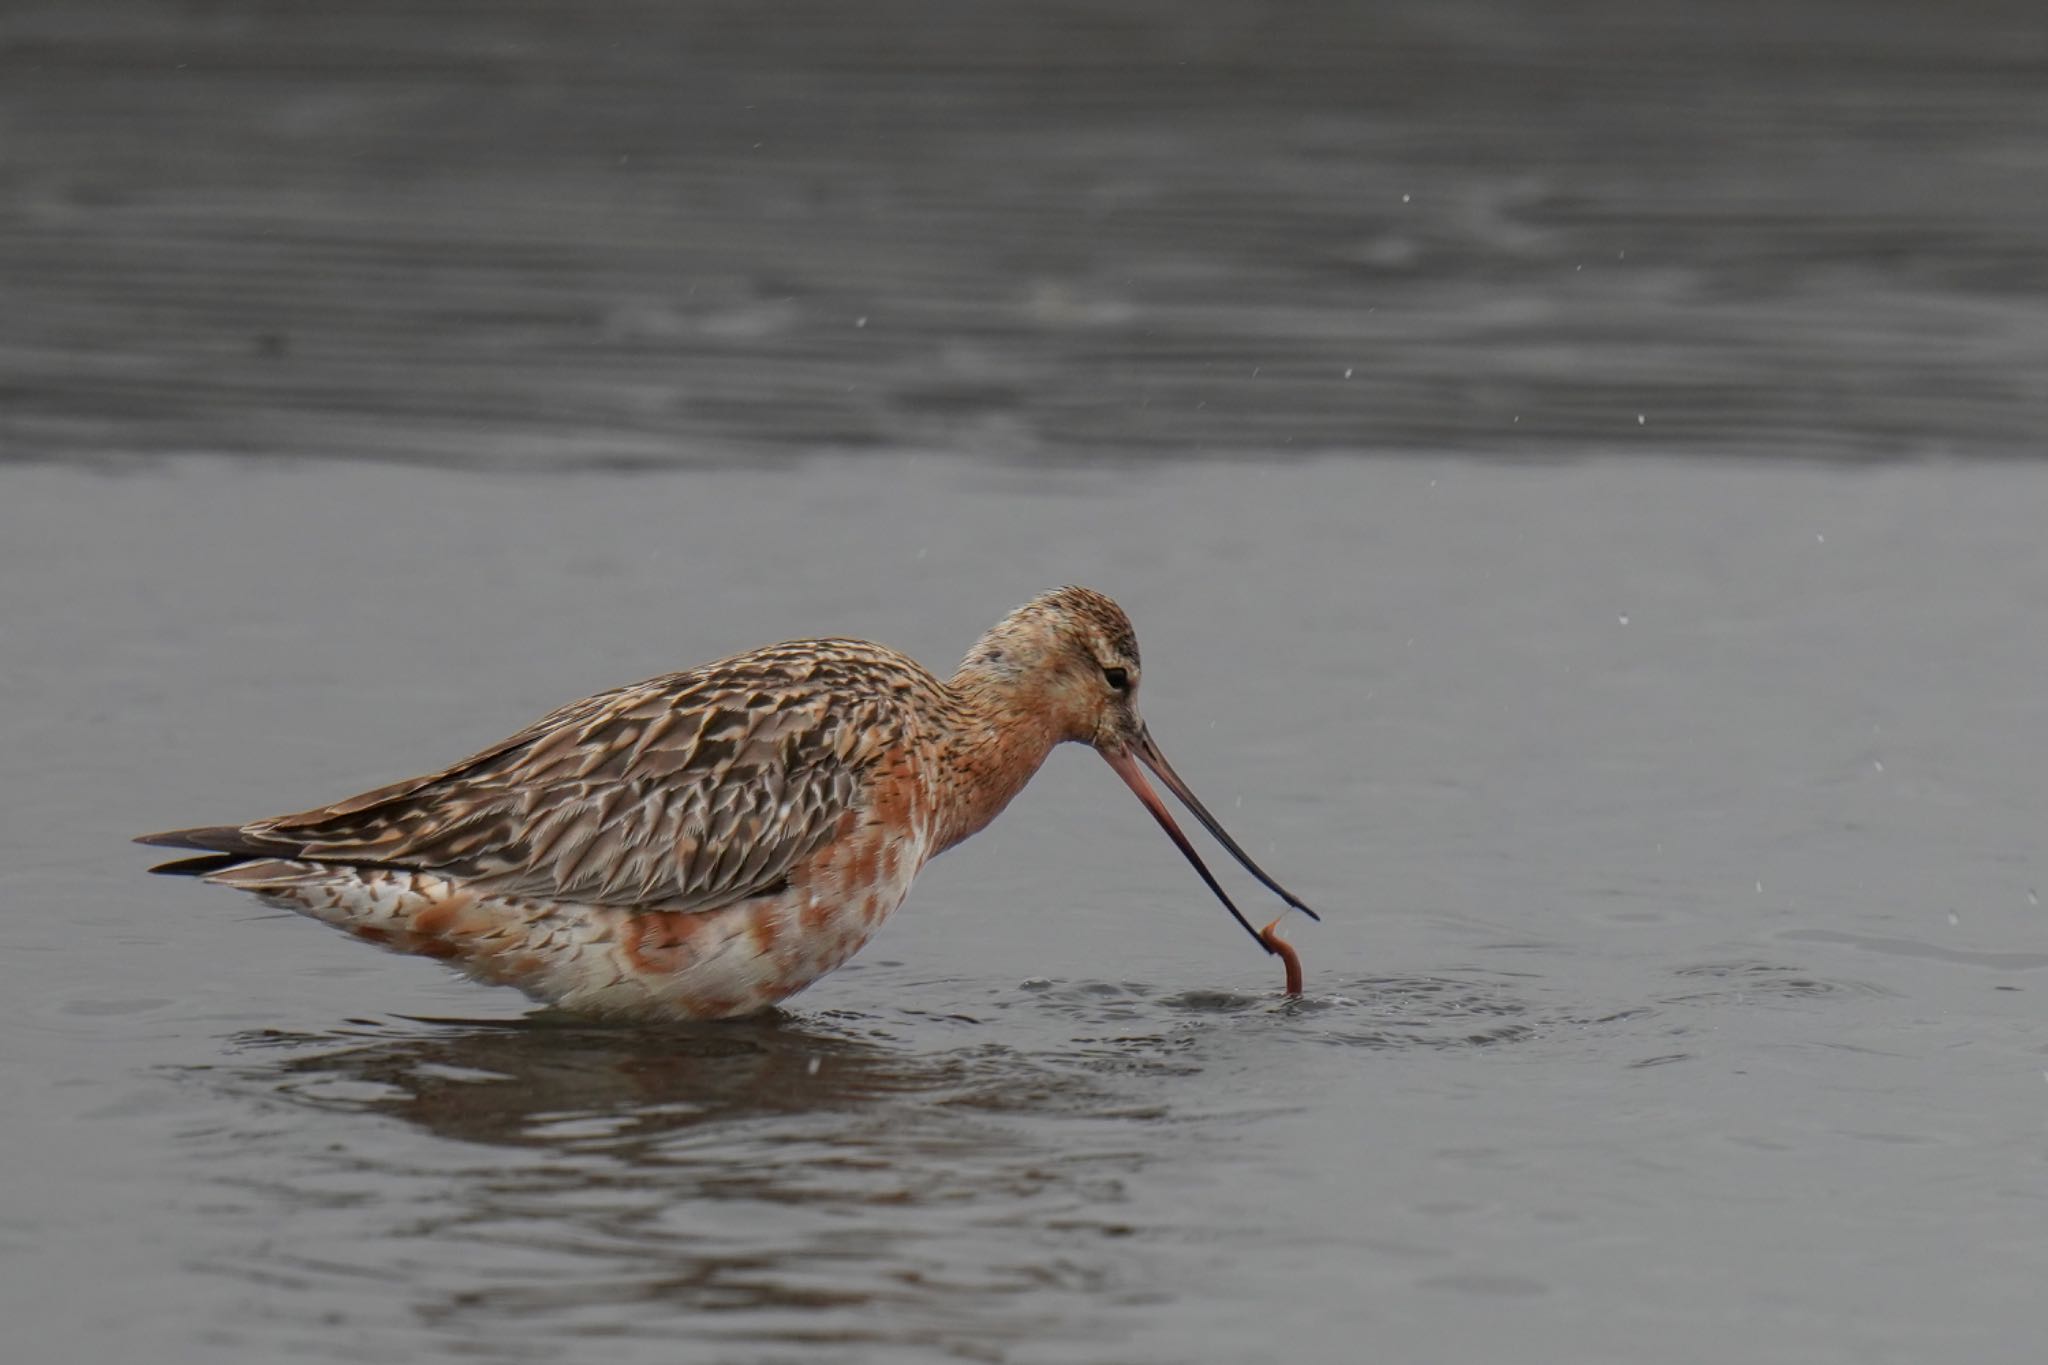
[{"x": 706, "y": 843}]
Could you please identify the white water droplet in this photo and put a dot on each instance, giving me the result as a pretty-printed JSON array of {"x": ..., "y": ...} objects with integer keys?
[
  {"x": 860, "y": 322},
  {"x": 1622, "y": 619},
  {"x": 1819, "y": 539},
  {"x": 1954, "y": 919},
  {"x": 811, "y": 1067},
  {"x": 2032, "y": 899},
  {"x": 1406, "y": 197},
  {"x": 1877, "y": 763},
  {"x": 1640, "y": 419},
  {"x": 1347, "y": 373},
  {"x": 1759, "y": 888}
]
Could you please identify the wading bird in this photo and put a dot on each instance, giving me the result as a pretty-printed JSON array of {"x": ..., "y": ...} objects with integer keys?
[{"x": 703, "y": 844}]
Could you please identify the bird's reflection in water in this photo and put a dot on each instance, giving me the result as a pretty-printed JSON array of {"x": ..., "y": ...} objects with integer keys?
[
  {"x": 887, "y": 1185},
  {"x": 556, "y": 1082},
  {"x": 526, "y": 1081},
  {"x": 774, "y": 1181}
]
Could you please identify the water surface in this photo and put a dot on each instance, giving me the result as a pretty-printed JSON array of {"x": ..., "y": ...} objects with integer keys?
[
  {"x": 633, "y": 232},
  {"x": 1573, "y": 468},
  {"x": 1676, "y": 827}
]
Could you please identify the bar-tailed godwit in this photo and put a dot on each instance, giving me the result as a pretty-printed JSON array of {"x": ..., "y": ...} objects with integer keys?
[{"x": 706, "y": 843}]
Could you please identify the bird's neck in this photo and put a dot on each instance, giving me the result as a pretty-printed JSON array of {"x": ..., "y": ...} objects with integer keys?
[{"x": 997, "y": 738}]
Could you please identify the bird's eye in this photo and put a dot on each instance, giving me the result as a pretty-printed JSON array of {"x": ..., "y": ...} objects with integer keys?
[{"x": 1118, "y": 679}]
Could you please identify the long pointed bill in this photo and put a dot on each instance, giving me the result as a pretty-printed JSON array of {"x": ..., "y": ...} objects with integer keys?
[
  {"x": 1126, "y": 766},
  {"x": 1134, "y": 778},
  {"x": 1163, "y": 770}
]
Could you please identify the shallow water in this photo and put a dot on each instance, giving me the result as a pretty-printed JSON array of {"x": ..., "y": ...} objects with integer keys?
[
  {"x": 1676, "y": 826},
  {"x": 1518, "y": 433}
]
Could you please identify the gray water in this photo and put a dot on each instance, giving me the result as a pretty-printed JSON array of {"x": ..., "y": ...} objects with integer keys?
[
  {"x": 1666, "y": 763},
  {"x": 631, "y": 232},
  {"x": 1676, "y": 826}
]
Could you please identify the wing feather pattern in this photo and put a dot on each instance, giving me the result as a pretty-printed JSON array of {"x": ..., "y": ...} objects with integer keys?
[{"x": 684, "y": 792}]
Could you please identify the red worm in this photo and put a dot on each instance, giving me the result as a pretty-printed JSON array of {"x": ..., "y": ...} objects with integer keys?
[{"x": 1271, "y": 938}]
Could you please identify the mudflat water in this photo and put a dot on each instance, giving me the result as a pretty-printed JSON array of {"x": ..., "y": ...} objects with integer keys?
[
  {"x": 1574, "y": 472},
  {"x": 1676, "y": 825}
]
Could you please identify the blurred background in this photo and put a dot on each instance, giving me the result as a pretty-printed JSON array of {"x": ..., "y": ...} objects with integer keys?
[{"x": 637, "y": 232}]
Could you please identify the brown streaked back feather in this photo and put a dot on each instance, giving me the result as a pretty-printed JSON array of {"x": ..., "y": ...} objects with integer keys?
[{"x": 684, "y": 792}]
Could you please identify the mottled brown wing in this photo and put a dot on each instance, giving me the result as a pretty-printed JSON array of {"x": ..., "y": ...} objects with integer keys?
[{"x": 681, "y": 793}]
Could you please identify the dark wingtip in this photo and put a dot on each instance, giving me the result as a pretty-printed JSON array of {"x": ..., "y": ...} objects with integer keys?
[
  {"x": 224, "y": 846},
  {"x": 218, "y": 837},
  {"x": 207, "y": 838},
  {"x": 221, "y": 846},
  {"x": 201, "y": 866}
]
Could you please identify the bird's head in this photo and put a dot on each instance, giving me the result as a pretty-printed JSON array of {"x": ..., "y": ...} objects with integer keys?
[{"x": 1070, "y": 658}]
